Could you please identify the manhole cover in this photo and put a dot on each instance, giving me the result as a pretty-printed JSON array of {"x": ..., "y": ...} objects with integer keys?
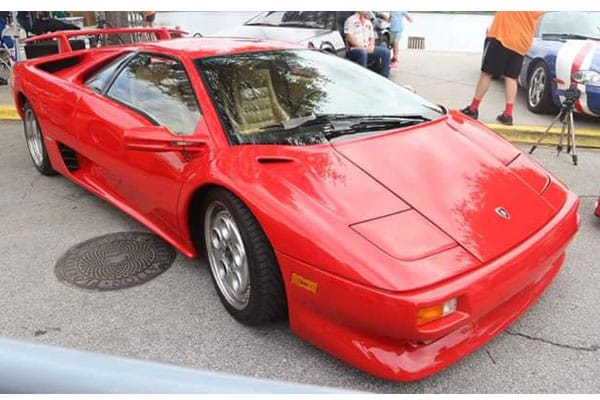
[{"x": 115, "y": 261}]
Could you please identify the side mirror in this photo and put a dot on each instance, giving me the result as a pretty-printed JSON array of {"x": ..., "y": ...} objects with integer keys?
[{"x": 160, "y": 139}]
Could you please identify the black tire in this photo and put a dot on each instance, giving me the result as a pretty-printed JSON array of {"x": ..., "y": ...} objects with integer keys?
[
  {"x": 39, "y": 155},
  {"x": 266, "y": 300},
  {"x": 539, "y": 91}
]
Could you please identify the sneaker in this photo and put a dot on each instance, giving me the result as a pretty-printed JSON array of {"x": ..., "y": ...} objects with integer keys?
[
  {"x": 505, "y": 119},
  {"x": 472, "y": 114}
]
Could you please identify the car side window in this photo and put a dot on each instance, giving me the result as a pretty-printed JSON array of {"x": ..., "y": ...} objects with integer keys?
[
  {"x": 100, "y": 79},
  {"x": 159, "y": 88}
]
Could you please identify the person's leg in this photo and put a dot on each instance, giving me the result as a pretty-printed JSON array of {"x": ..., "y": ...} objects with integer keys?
[
  {"x": 514, "y": 62},
  {"x": 395, "y": 38},
  {"x": 493, "y": 61},
  {"x": 510, "y": 87},
  {"x": 482, "y": 86},
  {"x": 381, "y": 59},
  {"x": 358, "y": 55}
]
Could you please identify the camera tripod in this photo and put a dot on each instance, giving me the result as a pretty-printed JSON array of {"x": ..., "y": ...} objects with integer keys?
[{"x": 565, "y": 116}]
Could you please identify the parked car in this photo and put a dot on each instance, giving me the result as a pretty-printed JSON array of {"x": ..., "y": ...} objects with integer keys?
[
  {"x": 319, "y": 29},
  {"x": 566, "y": 48},
  {"x": 597, "y": 211},
  {"x": 398, "y": 236}
]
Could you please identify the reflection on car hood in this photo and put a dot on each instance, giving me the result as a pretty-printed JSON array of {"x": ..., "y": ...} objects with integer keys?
[
  {"x": 447, "y": 178},
  {"x": 284, "y": 34}
]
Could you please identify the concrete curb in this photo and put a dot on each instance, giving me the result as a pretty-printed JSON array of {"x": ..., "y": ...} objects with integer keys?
[
  {"x": 530, "y": 134},
  {"x": 9, "y": 112},
  {"x": 517, "y": 133}
]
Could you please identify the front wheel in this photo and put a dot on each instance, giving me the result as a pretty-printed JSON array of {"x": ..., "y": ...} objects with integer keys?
[
  {"x": 35, "y": 142},
  {"x": 242, "y": 262},
  {"x": 539, "y": 96}
]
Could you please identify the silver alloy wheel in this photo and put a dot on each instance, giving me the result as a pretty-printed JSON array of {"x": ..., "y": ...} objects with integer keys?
[
  {"x": 537, "y": 85},
  {"x": 33, "y": 136},
  {"x": 227, "y": 255}
]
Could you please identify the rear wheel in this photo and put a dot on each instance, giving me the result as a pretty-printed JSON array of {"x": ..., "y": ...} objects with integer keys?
[
  {"x": 35, "y": 142},
  {"x": 539, "y": 96},
  {"x": 242, "y": 262}
]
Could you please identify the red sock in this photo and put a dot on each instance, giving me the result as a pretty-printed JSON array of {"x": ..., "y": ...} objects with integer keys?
[
  {"x": 474, "y": 104},
  {"x": 508, "y": 110}
]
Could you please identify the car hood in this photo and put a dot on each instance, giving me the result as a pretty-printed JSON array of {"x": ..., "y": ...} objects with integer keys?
[
  {"x": 469, "y": 193},
  {"x": 284, "y": 34},
  {"x": 581, "y": 54}
]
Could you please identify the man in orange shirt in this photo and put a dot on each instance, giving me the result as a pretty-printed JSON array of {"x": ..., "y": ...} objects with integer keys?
[{"x": 510, "y": 37}]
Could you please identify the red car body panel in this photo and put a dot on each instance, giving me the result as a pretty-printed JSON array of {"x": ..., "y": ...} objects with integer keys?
[
  {"x": 597, "y": 211},
  {"x": 383, "y": 225}
]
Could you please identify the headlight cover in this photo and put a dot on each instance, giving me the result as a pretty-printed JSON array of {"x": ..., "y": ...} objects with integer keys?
[
  {"x": 406, "y": 236},
  {"x": 587, "y": 77}
]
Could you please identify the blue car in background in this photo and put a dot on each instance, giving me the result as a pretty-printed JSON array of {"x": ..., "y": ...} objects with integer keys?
[{"x": 565, "y": 51}]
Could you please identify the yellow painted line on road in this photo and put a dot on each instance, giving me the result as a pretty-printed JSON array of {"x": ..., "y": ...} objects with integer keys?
[
  {"x": 9, "y": 112},
  {"x": 531, "y": 134}
]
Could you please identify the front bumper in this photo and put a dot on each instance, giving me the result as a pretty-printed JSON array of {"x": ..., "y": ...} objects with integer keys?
[{"x": 375, "y": 331}]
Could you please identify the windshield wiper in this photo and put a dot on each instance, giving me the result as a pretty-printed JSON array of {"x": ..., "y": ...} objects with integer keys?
[
  {"x": 260, "y": 24},
  {"x": 374, "y": 123},
  {"x": 337, "y": 124},
  {"x": 566, "y": 36},
  {"x": 309, "y": 120},
  {"x": 301, "y": 24}
]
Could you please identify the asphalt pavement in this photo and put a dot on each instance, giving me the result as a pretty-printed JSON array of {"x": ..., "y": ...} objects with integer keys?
[{"x": 176, "y": 318}]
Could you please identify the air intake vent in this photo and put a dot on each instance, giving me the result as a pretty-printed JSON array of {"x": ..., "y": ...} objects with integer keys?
[
  {"x": 274, "y": 160},
  {"x": 69, "y": 157}
]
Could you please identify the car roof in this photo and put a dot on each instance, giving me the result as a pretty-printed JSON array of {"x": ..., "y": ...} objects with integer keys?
[{"x": 214, "y": 46}]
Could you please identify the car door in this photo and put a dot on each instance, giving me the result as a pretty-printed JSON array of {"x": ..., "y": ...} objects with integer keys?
[
  {"x": 100, "y": 126},
  {"x": 55, "y": 102},
  {"x": 149, "y": 115}
]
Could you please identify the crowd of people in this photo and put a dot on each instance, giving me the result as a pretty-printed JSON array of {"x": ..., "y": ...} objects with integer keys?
[
  {"x": 508, "y": 39},
  {"x": 360, "y": 39}
]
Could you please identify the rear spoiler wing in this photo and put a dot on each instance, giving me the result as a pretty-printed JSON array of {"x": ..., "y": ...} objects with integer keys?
[{"x": 64, "y": 45}]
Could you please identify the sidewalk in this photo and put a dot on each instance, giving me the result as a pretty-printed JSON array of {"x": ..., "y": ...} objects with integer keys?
[{"x": 449, "y": 78}]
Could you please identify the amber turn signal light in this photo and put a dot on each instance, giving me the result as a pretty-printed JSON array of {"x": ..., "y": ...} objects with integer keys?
[{"x": 435, "y": 312}]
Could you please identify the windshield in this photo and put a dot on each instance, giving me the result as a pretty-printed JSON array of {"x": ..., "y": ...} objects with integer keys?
[
  {"x": 292, "y": 96},
  {"x": 302, "y": 19},
  {"x": 572, "y": 23}
]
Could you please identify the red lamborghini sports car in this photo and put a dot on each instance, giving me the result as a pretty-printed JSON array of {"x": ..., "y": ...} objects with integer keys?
[{"x": 395, "y": 234}]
